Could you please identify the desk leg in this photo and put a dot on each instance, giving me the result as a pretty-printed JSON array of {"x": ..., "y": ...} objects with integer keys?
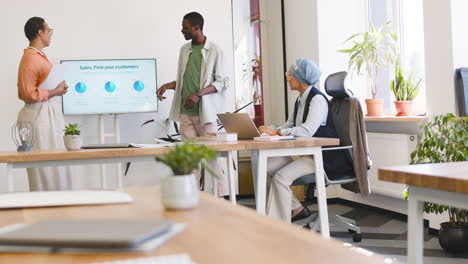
[
  {"x": 103, "y": 171},
  {"x": 215, "y": 185},
  {"x": 321, "y": 194},
  {"x": 415, "y": 230},
  {"x": 119, "y": 176},
  {"x": 260, "y": 195},
  {"x": 9, "y": 173},
  {"x": 232, "y": 184}
]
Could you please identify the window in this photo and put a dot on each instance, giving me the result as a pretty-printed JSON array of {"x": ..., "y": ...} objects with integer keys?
[{"x": 407, "y": 18}]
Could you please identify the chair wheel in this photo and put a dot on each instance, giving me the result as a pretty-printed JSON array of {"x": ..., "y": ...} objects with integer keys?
[
  {"x": 357, "y": 237},
  {"x": 351, "y": 231},
  {"x": 307, "y": 226}
]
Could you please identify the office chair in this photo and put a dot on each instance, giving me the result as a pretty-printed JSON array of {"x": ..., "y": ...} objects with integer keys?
[{"x": 334, "y": 86}]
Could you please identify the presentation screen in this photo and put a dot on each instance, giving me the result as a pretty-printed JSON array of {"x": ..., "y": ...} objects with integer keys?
[{"x": 110, "y": 86}]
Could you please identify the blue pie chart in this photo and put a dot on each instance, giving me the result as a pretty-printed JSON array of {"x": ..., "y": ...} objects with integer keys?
[
  {"x": 80, "y": 87},
  {"x": 138, "y": 86},
  {"x": 110, "y": 87}
]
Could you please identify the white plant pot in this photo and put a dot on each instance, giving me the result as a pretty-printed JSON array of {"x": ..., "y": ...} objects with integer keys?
[
  {"x": 180, "y": 192},
  {"x": 72, "y": 142}
]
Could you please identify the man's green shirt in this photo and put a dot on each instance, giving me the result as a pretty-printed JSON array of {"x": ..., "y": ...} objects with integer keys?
[{"x": 191, "y": 77}]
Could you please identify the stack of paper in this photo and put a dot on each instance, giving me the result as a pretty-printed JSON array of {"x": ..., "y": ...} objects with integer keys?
[
  {"x": 222, "y": 137},
  {"x": 274, "y": 138},
  {"x": 169, "y": 259}
]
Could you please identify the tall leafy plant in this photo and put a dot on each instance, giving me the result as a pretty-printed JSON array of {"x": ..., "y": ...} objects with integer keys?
[
  {"x": 404, "y": 90},
  {"x": 443, "y": 139},
  {"x": 371, "y": 50}
]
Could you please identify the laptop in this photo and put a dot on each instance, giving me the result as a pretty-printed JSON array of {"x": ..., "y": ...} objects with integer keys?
[
  {"x": 110, "y": 233},
  {"x": 239, "y": 123}
]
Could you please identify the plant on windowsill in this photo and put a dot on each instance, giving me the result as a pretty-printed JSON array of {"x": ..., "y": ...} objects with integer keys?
[
  {"x": 445, "y": 139},
  {"x": 404, "y": 91},
  {"x": 181, "y": 190},
  {"x": 72, "y": 137},
  {"x": 370, "y": 51}
]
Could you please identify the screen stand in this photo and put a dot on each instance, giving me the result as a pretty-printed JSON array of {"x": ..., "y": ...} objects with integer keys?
[{"x": 102, "y": 140}]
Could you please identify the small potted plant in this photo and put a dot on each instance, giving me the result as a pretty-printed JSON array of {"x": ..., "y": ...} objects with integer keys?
[
  {"x": 72, "y": 137},
  {"x": 404, "y": 91},
  {"x": 180, "y": 191},
  {"x": 370, "y": 51},
  {"x": 445, "y": 139}
]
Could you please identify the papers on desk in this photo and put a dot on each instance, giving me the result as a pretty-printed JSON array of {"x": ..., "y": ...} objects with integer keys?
[
  {"x": 169, "y": 259},
  {"x": 157, "y": 145},
  {"x": 145, "y": 246},
  {"x": 55, "y": 77},
  {"x": 126, "y": 145},
  {"x": 62, "y": 198},
  {"x": 274, "y": 138}
]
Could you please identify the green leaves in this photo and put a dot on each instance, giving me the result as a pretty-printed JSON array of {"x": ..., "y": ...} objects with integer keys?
[
  {"x": 443, "y": 139},
  {"x": 187, "y": 156},
  {"x": 371, "y": 50},
  {"x": 404, "y": 90},
  {"x": 72, "y": 129}
]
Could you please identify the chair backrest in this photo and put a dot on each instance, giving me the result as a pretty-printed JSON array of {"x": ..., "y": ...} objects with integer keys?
[{"x": 340, "y": 106}]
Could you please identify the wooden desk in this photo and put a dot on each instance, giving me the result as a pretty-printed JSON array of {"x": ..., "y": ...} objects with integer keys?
[
  {"x": 442, "y": 183},
  {"x": 217, "y": 232},
  {"x": 261, "y": 150}
]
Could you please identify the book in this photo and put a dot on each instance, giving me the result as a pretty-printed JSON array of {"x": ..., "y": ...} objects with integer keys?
[
  {"x": 274, "y": 138},
  {"x": 134, "y": 238}
]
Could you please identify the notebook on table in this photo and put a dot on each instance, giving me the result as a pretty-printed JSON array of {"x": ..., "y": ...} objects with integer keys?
[{"x": 101, "y": 233}]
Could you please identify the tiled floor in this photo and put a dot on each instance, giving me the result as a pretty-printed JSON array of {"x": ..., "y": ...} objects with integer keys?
[{"x": 384, "y": 234}]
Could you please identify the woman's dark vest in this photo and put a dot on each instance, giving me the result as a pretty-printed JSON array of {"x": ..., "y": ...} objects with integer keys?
[{"x": 335, "y": 162}]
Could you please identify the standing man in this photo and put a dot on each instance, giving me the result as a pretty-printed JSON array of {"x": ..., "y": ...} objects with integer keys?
[
  {"x": 43, "y": 108},
  {"x": 201, "y": 83}
]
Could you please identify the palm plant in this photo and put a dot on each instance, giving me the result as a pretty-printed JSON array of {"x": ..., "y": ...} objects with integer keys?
[{"x": 371, "y": 50}]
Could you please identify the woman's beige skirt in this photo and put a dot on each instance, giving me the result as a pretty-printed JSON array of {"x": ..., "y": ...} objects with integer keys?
[{"x": 48, "y": 120}]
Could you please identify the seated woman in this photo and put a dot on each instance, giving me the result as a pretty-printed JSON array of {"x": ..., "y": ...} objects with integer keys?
[{"x": 311, "y": 117}]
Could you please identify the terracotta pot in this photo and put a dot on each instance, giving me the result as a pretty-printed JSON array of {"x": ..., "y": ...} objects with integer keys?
[
  {"x": 404, "y": 108},
  {"x": 453, "y": 237},
  {"x": 375, "y": 107}
]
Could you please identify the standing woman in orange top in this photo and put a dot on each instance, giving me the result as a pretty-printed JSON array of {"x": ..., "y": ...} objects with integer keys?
[{"x": 42, "y": 107}]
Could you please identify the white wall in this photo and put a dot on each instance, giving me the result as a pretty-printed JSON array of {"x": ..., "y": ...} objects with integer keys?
[
  {"x": 272, "y": 61},
  {"x": 440, "y": 86},
  {"x": 106, "y": 29},
  {"x": 335, "y": 25}
]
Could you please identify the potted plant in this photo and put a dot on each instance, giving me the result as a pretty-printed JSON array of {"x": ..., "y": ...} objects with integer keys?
[
  {"x": 404, "y": 91},
  {"x": 72, "y": 137},
  {"x": 180, "y": 191},
  {"x": 370, "y": 51},
  {"x": 445, "y": 139}
]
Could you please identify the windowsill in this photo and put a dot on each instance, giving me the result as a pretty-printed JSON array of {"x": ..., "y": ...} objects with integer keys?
[{"x": 389, "y": 118}]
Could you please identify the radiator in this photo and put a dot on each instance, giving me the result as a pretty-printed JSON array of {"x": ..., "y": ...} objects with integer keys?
[{"x": 388, "y": 150}]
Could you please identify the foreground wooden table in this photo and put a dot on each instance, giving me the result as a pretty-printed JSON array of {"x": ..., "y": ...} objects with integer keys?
[
  {"x": 442, "y": 183},
  {"x": 217, "y": 232}
]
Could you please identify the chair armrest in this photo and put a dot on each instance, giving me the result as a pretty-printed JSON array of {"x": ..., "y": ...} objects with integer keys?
[{"x": 337, "y": 148}]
